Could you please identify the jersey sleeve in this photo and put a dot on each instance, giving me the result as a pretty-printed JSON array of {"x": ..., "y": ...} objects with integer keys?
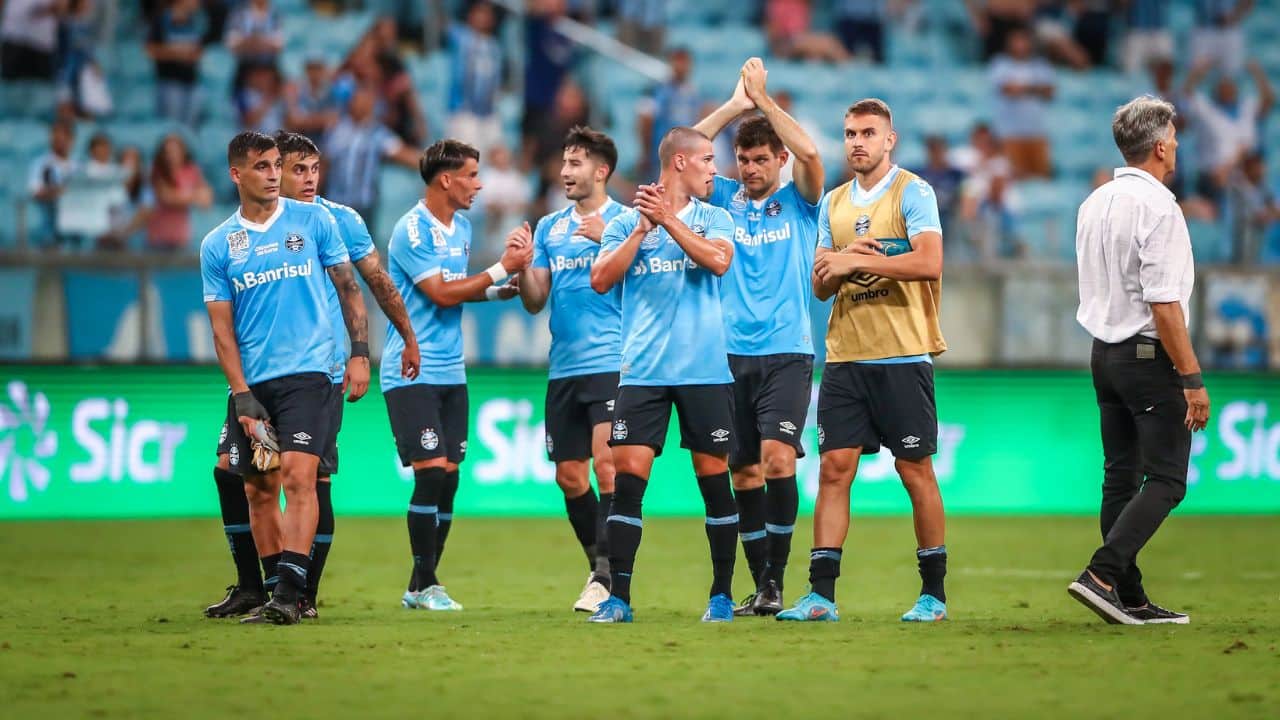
[
  {"x": 540, "y": 259},
  {"x": 329, "y": 240},
  {"x": 616, "y": 232},
  {"x": 808, "y": 209},
  {"x": 719, "y": 225},
  {"x": 416, "y": 251},
  {"x": 920, "y": 208},
  {"x": 213, "y": 273},
  {"x": 722, "y": 191},
  {"x": 355, "y": 234},
  {"x": 824, "y": 222}
]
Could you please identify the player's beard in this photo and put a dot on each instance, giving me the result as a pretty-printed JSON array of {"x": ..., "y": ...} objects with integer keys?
[{"x": 865, "y": 163}]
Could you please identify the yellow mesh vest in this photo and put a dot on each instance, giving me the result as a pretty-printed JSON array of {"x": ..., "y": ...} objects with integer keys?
[{"x": 875, "y": 317}]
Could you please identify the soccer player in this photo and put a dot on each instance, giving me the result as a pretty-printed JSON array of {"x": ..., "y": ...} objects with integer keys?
[
  {"x": 301, "y": 175},
  {"x": 586, "y": 346},
  {"x": 427, "y": 260},
  {"x": 880, "y": 253},
  {"x": 268, "y": 305},
  {"x": 669, "y": 254},
  {"x": 766, "y": 313}
]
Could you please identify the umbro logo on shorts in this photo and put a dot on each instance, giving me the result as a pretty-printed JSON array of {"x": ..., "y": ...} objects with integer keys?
[
  {"x": 720, "y": 435},
  {"x": 910, "y": 441},
  {"x": 787, "y": 427},
  {"x": 222, "y": 437},
  {"x": 302, "y": 438},
  {"x": 429, "y": 439},
  {"x": 608, "y": 405},
  {"x": 620, "y": 430}
]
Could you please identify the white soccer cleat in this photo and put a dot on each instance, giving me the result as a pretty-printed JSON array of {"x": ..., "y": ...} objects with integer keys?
[{"x": 592, "y": 595}]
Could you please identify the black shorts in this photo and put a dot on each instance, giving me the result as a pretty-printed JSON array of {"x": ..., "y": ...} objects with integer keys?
[
  {"x": 863, "y": 405},
  {"x": 642, "y": 414},
  {"x": 575, "y": 405},
  {"x": 770, "y": 400},
  {"x": 429, "y": 421},
  {"x": 301, "y": 408}
]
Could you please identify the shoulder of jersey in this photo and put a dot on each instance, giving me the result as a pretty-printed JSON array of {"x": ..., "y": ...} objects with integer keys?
[
  {"x": 339, "y": 209},
  {"x": 308, "y": 209},
  {"x": 917, "y": 182},
  {"x": 220, "y": 231}
]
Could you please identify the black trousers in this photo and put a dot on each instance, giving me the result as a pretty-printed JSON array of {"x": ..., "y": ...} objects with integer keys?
[{"x": 1146, "y": 449}]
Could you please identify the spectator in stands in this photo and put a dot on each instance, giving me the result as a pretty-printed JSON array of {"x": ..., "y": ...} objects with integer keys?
[
  {"x": 178, "y": 186},
  {"x": 546, "y": 66},
  {"x": 261, "y": 100},
  {"x": 45, "y": 182},
  {"x": 176, "y": 42},
  {"x": 81, "y": 86},
  {"x": 676, "y": 102},
  {"x": 787, "y": 24},
  {"x": 28, "y": 39},
  {"x": 217, "y": 12},
  {"x": 860, "y": 24},
  {"x": 995, "y": 19},
  {"x": 313, "y": 105},
  {"x": 400, "y": 110},
  {"x": 946, "y": 179},
  {"x": 505, "y": 200},
  {"x": 1218, "y": 36},
  {"x": 1255, "y": 215},
  {"x": 571, "y": 108},
  {"x": 93, "y": 197},
  {"x": 476, "y": 65},
  {"x": 642, "y": 24},
  {"x": 255, "y": 36},
  {"x": 1226, "y": 125},
  {"x": 984, "y": 211},
  {"x": 132, "y": 214},
  {"x": 1148, "y": 39},
  {"x": 1024, "y": 87},
  {"x": 355, "y": 149}
]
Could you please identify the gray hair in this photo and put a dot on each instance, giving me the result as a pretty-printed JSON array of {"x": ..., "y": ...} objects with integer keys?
[{"x": 1139, "y": 124}]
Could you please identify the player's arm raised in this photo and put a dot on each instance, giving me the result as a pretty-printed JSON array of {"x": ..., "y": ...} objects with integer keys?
[
  {"x": 448, "y": 293},
  {"x": 720, "y": 118},
  {"x": 809, "y": 174},
  {"x": 617, "y": 252},
  {"x": 388, "y": 298},
  {"x": 714, "y": 252}
]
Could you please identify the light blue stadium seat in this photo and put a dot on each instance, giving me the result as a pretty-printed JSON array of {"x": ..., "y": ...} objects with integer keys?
[{"x": 1210, "y": 242}]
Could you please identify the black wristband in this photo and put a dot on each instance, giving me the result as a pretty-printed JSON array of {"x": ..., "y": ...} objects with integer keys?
[
  {"x": 246, "y": 405},
  {"x": 359, "y": 349},
  {"x": 1192, "y": 381}
]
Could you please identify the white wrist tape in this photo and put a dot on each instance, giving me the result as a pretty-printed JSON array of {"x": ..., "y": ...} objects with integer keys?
[
  {"x": 491, "y": 293},
  {"x": 497, "y": 273}
]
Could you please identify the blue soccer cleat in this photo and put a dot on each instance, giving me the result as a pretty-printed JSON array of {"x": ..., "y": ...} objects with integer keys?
[
  {"x": 409, "y": 601},
  {"x": 432, "y": 598},
  {"x": 719, "y": 609},
  {"x": 927, "y": 609},
  {"x": 613, "y": 610},
  {"x": 811, "y": 608}
]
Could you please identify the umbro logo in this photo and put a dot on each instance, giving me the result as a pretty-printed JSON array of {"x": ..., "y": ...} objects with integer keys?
[
  {"x": 910, "y": 442},
  {"x": 787, "y": 427},
  {"x": 720, "y": 435},
  {"x": 302, "y": 438}
]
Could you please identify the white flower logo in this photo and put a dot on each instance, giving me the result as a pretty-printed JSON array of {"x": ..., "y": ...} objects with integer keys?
[{"x": 29, "y": 413}]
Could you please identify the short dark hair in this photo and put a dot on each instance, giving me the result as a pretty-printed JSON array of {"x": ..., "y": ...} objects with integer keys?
[
  {"x": 244, "y": 143},
  {"x": 678, "y": 139},
  {"x": 871, "y": 106},
  {"x": 292, "y": 142},
  {"x": 99, "y": 138},
  {"x": 755, "y": 132},
  {"x": 595, "y": 144},
  {"x": 445, "y": 156}
]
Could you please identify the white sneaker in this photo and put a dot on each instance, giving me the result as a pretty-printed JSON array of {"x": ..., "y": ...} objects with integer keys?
[
  {"x": 592, "y": 595},
  {"x": 435, "y": 598}
]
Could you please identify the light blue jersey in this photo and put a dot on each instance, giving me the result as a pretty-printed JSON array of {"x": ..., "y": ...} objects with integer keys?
[
  {"x": 421, "y": 247},
  {"x": 586, "y": 327},
  {"x": 672, "y": 324},
  {"x": 355, "y": 236},
  {"x": 273, "y": 275},
  {"x": 766, "y": 291}
]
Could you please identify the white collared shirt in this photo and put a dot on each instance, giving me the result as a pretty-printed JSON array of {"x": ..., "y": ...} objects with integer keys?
[{"x": 1132, "y": 249}]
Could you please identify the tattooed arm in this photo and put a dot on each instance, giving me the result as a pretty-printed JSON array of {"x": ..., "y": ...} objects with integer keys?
[
  {"x": 384, "y": 291},
  {"x": 353, "y": 312}
]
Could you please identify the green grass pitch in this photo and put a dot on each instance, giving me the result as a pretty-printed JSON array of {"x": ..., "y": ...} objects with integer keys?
[{"x": 102, "y": 619}]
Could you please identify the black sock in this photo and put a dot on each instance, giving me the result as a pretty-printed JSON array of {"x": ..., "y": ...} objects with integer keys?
[
  {"x": 783, "y": 503},
  {"x": 444, "y": 520},
  {"x": 933, "y": 568},
  {"x": 824, "y": 568},
  {"x": 324, "y": 539},
  {"x": 235, "y": 523},
  {"x": 422, "y": 526},
  {"x": 269, "y": 565},
  {"x": 292, "y": 570},
  {"x": 624, "y": 527},
  {"x": 755, "y": 541},
  {"x": 583, "y": 511},
  {"x": 601, "y": 574},
  {"x": 722, "y": 530}
]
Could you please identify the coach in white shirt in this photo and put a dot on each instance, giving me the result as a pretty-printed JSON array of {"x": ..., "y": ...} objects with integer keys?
[{"x": 1136, "y": 274}]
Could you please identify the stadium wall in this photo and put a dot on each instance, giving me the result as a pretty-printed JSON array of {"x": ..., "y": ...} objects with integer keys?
[{"x": 88, "y": 442}]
